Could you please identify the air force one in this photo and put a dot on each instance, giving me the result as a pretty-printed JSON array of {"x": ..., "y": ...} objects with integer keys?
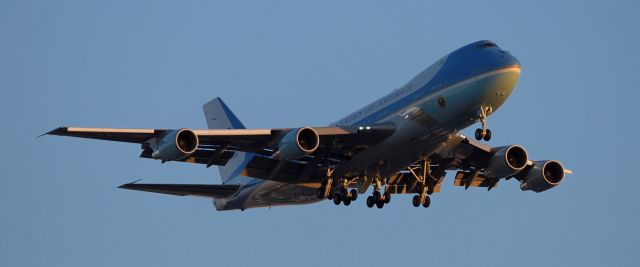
[{"x": 403, "y": 143}]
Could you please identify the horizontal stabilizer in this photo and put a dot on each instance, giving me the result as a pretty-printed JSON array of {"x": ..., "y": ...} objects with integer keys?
[{"x": 201, "y": 190}]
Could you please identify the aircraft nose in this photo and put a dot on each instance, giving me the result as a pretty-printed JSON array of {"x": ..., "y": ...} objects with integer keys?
[{"x": 509, "y": 60}]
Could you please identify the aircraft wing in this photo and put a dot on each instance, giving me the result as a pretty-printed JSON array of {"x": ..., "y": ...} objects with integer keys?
[
  {"x": 217, "y": 146},
  {"x": 240, "y": 137},
  {"x": 479, "y": 165},
  {"x": 210, "y": 141},
  {"x": 246, "y": 140}
]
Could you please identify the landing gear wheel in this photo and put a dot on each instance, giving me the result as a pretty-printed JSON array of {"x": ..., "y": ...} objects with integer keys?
[
  {"x": 479, "y": 134},
  {"x": 377, "y": 196},
  {"x": 380, "y": 204},
  {"x": 416, "y": 201},
  {"x": 347, "y": 201},
  {"x": 370, "y": 202},
  {"x": 336, "y": 199},
  {"x": 430, "y": 190},
  {"x": 487, "y": 135},
  {"x": 353, "y": 194},
  {"x": 427, "y": 202},
  {"x": 387, "y": 197}
]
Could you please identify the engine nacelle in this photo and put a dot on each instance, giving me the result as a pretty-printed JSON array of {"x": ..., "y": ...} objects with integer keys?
[
  {"x": 298, "y": 143},
  {"x": 175, "y": 145},
  {"x": 507, "y": 161},
  {"x": 543, "y": 176}
]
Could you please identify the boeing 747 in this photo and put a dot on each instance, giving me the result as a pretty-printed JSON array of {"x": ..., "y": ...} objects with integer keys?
[{"x": 403, "y": 143}]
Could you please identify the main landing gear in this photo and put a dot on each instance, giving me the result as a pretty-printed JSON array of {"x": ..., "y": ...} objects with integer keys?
[
  {"x": 340, "y": 194},
  {"x": 425, "y": 181},
  {"x": 426, "y": 184},
  {"x": 377, "y": 198},
  {"x": 345, "y": 196},
  {"x": 484, "y": 133}
]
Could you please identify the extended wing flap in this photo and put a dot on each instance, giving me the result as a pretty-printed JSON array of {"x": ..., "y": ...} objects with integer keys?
[
  {"x": 474, "y": 179},
  {"x": 201, "y": 156},
  {"x": 405, "y": 183},
  {"x": 201, "y": 190},
  {"x": 291, "y": 172}
]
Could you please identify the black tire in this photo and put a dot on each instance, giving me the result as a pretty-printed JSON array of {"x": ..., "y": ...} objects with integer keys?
[
  {"x": 347, "y": 201},
  {"x": 337, "y": 199},
  {"x": 353, "y": 194},
  {"x": 479, "y": 134},
  {"x": 427, "y": 202},
  {"x": 430, "y": 190},
  {"x": 387, "y": 197},
  {"x": 370, "y": 202},
  {"x": 344, "y": 192},
  {"x": 416, "y": 201},
  {"x": 487, "y": 135},
  {"x": 377, "y": 196},
  {"x": 380, "y": 204}
]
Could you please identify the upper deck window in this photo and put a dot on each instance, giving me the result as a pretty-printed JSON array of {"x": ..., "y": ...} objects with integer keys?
[{"x": 486, "y": 45}]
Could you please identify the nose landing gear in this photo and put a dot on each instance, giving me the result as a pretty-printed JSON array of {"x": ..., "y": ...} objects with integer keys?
[{"x": 483, "y": 133}]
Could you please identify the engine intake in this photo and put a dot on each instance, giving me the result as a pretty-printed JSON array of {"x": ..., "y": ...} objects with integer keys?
[
  {"x": 543, "y": 176},
  {"x": 175, "y": 145},
  {"x": 507, "y": 161},
  {"x": 298, "y": 143}
]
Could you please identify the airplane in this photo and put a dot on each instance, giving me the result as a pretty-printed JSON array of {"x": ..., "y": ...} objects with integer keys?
[{"x": 403, "y": 143}]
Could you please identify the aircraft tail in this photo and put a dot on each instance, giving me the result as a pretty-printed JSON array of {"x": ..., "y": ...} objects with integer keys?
[{"x": 219, "y": 116}]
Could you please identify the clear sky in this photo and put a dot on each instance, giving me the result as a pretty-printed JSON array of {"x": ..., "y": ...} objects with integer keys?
[{"x": 152, "y": 64}]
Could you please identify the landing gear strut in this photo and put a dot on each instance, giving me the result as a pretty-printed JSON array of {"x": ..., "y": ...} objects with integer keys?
[
  {"x": 484, "y": 133},
  {"x": 377, "y": 198},
  {"x": 324, "y": 191}
]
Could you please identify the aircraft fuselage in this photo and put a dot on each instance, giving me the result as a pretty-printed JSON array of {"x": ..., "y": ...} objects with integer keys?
[{"x": 427, "y": 111}]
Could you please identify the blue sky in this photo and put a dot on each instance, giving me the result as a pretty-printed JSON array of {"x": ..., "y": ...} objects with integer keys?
[{"x": 295, "y": 63}]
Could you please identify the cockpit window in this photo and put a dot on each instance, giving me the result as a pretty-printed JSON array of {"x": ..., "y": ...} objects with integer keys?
[{"x": 486, "y": 45}]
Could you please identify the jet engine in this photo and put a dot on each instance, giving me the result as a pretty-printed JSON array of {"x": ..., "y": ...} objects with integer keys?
[
  {"x": 298, "y": 143},
  {"x": 175, "y": 145},
  {"x": 507, "y": 161},
  {"x": 543, "y": 176}
]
